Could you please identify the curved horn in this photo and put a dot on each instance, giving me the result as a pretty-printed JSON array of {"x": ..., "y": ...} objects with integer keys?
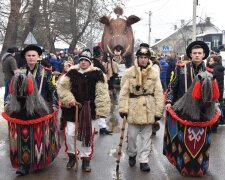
[
  {"x": 109, "y": 49},
  {"x": 125, "y": 53}
]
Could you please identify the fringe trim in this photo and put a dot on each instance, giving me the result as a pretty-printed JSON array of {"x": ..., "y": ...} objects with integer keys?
[
  {"x": 28, "y": 122},
  {"x": 92, "y": 144},
  {"x": 198, "y": 124}
]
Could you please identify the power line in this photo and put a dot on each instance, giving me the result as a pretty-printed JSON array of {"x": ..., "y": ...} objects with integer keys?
[{"x": 154, "y": 1}]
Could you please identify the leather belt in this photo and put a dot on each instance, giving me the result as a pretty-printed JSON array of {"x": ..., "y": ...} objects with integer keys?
[{"x": 135, "y": 95}]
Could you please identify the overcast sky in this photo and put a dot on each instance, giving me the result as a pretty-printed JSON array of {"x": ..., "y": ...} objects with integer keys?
[{"x": 167, "y": 13}]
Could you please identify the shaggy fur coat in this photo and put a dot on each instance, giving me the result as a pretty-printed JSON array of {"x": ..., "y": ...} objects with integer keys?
[
  {"x": 141, "y": 109},
  {"x": 90, "y": 86}
]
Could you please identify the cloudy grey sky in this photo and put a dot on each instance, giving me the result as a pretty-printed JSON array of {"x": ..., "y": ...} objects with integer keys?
[{"x": 167, "y": 13}]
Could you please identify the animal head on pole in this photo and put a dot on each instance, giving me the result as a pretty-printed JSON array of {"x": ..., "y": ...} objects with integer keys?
[
  {"x": 198, "y": 103},
  {"x": 24, "y": 97},
  {"x": 118, "y": 32}
]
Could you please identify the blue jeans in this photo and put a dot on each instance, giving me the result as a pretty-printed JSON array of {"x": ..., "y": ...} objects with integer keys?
[
  {"x": 163, "y": 82},
  {"x": 7, "y": 83}
]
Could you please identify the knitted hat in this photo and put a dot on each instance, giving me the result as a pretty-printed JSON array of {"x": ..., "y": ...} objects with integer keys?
[{"x": 86, "y": 55}]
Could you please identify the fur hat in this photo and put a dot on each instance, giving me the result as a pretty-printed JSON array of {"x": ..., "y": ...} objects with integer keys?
[
  {"x": 143, "y": 51},
  {"x": 97, "y": 51},
  {"x": 31, "y": 48},
  {"x": 86, "y": 54},
  {"x": 204, "y": 46}
]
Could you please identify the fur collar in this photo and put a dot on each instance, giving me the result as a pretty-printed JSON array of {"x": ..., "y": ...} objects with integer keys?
[{"x": 143, "y": 73}]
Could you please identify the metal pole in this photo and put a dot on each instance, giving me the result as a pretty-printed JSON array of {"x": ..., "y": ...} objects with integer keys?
[
  {"x": 194, "y": 20},
  {"x": 149, "y": 30}
]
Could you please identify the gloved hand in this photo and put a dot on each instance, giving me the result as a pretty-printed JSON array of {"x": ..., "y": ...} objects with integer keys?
[
  {"x": 157, "y": 118},
  {"x": 122, "y": 115}
]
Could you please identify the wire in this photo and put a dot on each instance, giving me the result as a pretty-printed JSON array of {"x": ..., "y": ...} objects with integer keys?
[{"x": 154, "y": 1}]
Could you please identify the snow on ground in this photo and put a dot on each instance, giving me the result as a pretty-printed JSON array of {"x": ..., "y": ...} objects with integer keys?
[{"x": 2, "y": 92}]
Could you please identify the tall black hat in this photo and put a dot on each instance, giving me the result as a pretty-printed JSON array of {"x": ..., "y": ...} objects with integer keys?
[
  {"x": 204, "y": 46},
  {"x": 30, "y": 48}
]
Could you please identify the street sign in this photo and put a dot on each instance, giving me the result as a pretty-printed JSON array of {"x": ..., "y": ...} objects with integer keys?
[
  {"x": 165, "y": 48},
  {"x": 30, "y": 39}
]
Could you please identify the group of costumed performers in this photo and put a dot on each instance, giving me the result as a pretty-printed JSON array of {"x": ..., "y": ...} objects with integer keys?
[
  {"x": 191, "y": 111},
  {"x": 33, "y": 132},
  {"x": 84, "y": 87}
]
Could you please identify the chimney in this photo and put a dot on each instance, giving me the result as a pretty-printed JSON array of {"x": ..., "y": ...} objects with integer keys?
[
  {"x": 207, "y": 20},
  {"x": 175, "y": 27},
  {"x": 182, "y": 22}
]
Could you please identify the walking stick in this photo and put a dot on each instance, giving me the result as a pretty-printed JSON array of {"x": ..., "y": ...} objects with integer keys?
[
  {"x": 120, "y": 144},
  {"x": 75, "y": 137}
]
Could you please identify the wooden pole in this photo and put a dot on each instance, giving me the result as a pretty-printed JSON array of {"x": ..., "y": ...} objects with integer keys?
[
  {"x": 120, "y": 144},
  {"x": 75, "y": 137}
]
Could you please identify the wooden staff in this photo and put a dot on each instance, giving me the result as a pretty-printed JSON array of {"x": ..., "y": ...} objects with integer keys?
[
  {"x": 185, "y": 77},
  {"x": 120, "y": 144},
  {"x": 42, "y": 78},
  {"x": 75, "y": 137}
]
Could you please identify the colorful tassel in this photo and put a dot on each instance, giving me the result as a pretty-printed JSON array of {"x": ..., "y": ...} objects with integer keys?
[
  {"x": 216, "y": 92},
  {"x": 30, "y": 86},
  {"x": 197, "y": 91}
]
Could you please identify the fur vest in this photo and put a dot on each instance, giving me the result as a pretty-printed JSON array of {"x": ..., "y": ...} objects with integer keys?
[{"x": 90, "y": 86}]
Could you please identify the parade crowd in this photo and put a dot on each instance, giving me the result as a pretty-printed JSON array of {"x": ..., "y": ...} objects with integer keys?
[{"x": 81, "y": 84}]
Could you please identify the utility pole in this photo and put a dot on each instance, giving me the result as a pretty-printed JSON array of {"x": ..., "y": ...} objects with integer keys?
[
  {"x": 149, "y": 27},
  {"x": 195, "y": 3}
]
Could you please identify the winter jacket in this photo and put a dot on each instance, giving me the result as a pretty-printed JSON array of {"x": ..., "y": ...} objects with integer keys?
[
  {"x": 141, "y": 94},
  {"x": 56, "y": 64},
  {"x": 218, "y": 72},
  {"x": 164, "y": 67},
  {"x": 8, "y": 66}
]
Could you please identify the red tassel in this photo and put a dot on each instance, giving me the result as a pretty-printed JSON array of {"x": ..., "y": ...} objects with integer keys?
[
  {"x": 30, "y": 86},
  {"x": 197, "y": 91},
  {"x": 11, "y": 86},
  {"x": 216, "y": 92}
]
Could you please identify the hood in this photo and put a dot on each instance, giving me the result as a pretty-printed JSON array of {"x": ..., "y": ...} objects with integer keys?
[{"x": 6, "y": 54}]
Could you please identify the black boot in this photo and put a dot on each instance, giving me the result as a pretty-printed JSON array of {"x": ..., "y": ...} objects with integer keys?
[
  {"x": 144, "y": 167},
  {"x": 22, "y": 171},
  {"x": 72, "y": 161},
  {"x": 105, "y": 131},
  {"x": 86, "y": 164},
  {"x": 155, "y": 128},
  {"x": 132, "y": 161}
]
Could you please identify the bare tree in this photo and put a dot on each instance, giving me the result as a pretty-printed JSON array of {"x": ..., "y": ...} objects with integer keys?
[
  {"x": 12, "y": 26},
  {"x": 32, "y": 16}
]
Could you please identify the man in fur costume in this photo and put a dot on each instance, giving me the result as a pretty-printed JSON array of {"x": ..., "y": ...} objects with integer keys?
[
  {"x": 85, "y": 85},
  {"x": 141, "y": 102}
]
